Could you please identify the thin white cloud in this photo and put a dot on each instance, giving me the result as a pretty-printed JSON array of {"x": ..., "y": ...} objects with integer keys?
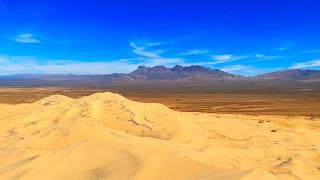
[
  {"x": 26, "y": 38},
  {"x": 285, "y": 48},
  {"x": 155, "y": 43},
  {"x": 244, "y": 70},
  {"x": 224, "y": 58},
  {"x": 236, "y": 67},
  {"x": 154, "y": 57},
  {"x": 160, "y": 43},
  {"x": 195, "y": 52},
  {"x": 248, "y": 70},
  {"x": 141, "y": 51},
  {"x": 308, "y": 64},
  {"x": 32, "y": 65},
  {"x": 82, "y": 67},
  {"x": 282, "y": 49},
  {"x": 263, "y": 57}
]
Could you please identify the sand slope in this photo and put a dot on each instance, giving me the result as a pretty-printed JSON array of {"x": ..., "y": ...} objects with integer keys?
[{"x": 106, "y": 136}]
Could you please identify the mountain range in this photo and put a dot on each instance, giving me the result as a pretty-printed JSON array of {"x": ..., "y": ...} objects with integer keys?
[
  {"x": 158, "y": 74},
  {"x": 294, "y": 74}
]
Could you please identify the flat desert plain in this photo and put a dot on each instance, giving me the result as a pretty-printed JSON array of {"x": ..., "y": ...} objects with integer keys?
[{"x": 284, "y": 101}]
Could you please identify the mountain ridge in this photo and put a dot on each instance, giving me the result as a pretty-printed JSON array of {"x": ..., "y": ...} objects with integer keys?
[
  {"x": 291, "y": 74},
  {"x": 157, "y": 74}
]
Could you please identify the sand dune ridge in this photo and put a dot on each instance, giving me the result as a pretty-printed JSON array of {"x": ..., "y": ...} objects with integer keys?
[{"x": 106, "y": 136}]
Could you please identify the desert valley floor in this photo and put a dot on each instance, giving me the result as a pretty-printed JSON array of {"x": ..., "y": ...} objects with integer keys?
[
  {"x": 241, "y": 99},
  {"x": 107, "y": 136}
]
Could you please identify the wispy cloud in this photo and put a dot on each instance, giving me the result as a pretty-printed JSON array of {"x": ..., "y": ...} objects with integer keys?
[
  {"x": 263, "y": 57},
  {"x": 154, "y": 57},
  {"x": 224, "y": 58},
  {"x": 308, "y": 64},
  {"x": 141, "y": 51},
  {"x": 317, "y": 51},
  {"x": 194, "y": 52},
  {"x": 236, "y": 67},
  {"x": 26, "y": 38},
  {"x": 282, "y": 48},
  {"x": 31, "y": 65},
  {"x": 160, "y": 43},
  {"x": 244, "y": 70},
  {"x": 285, "y": 47},
  {"x": 248, "y": 70}
]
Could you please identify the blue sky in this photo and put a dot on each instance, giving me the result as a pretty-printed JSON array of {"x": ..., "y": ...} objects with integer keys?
[{"x": 98, "y": 37}]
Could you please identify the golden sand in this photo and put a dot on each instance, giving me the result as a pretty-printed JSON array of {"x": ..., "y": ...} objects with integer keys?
[{"x": 106, "y": 136}]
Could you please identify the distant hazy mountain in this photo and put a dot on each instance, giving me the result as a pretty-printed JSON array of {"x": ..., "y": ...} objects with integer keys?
[
  {"x": 188, "y": 75},
  {"x": 179, "y": 73},
  {"x": 141, "y": 75},
  {"x": 294, "y": 74}
]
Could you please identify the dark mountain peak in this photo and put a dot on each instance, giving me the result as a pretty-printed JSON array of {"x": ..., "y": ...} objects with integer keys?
[
  {"x": 177, "y": 67},
  {"x": 178, "y": 72},
  {"x": 197, "y": 68},
  {"x": 145, "y": 68},
  {"x": 142, "y": 67},
  {"x": 159, "y": 68}
]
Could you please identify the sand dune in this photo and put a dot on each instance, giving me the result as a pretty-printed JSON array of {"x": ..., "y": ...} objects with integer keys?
[{"x": 106, "y": 136}]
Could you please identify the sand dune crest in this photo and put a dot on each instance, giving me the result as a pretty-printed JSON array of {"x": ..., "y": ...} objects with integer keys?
[{"x": 106, "y": 136}]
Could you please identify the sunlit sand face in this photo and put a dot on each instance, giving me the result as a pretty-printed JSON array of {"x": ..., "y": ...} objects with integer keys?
[{"x": 106, "y": 136}]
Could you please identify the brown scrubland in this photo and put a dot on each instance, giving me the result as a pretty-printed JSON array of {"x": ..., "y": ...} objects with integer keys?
[{"x": 296, "y": 102}]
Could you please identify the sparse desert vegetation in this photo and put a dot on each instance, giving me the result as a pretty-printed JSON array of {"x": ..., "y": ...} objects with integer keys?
[{"x": 259, "y": 101}]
